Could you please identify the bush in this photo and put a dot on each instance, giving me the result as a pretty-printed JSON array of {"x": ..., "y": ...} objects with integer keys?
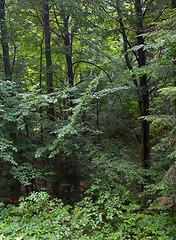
[{"x": 106, "y": 217}]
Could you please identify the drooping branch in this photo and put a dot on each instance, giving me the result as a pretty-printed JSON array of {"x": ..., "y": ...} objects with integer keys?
[
  {"x": 83, "y": 80},
  {"x": 96, "y": 67}
]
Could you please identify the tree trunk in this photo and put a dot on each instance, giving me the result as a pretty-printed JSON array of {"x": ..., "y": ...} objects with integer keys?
[
  {"x": 46, "y": 29},
  {"x": 173, "y": 4},
  {"x": 68, "y": 47},
  {"x": 4, "y": 41},
  {"x": 40, "y": 84},
  {"x": 144, "y": 103}
]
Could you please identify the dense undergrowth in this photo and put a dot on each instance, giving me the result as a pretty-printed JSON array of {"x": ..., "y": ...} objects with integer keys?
[
  {"x": 106, "y": 217},
  {"x": 75, "y": 117}
]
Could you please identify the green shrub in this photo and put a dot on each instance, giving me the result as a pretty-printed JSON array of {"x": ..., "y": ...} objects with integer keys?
[{"x": 106, "y": 217}]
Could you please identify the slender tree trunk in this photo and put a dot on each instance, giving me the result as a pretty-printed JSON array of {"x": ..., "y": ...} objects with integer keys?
[
  {"x": 68, "y": 47},
  {"x": 40, "y": 82},
  {"x": 173, "y": 5},
  {"x": 144, "y": 103},
  {"x": 46, "y": 29},
  {"x": 6, "y": 58},
  {"x": 41, "y": 110},
  {"x": 4, "y": 41},
  {"x": 143, "y": 87}
]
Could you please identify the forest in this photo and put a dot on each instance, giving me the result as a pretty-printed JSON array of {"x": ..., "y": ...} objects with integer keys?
[{"x": 88, "y": 119}]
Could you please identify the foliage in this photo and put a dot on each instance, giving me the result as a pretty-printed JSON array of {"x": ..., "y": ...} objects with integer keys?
[
  {"x": 39, "y": 217},
  {"x": 6, "y": 149},
  {"x": 87, "y": 151}
]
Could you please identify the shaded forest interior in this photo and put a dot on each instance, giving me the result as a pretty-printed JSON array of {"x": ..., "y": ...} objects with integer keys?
[
  {"x": 80, "y": 85},
  {"x": 88, "y": 100}
]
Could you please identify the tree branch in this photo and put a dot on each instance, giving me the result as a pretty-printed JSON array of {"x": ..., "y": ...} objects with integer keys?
[
  {"x": 96, "y": 67},
  {"x": 85, "y": 78}
]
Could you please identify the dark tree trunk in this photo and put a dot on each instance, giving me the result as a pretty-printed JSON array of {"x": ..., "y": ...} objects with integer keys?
[
  {"x": 6, "y": 58},
  {"x": 173, "y": 4},
  {"x": 144, "y": 103},
  {"x": 46, "y": 29},
  {"x": 4, "y": 41},
  {"x": 68, "y": 47},
  {"x": 143, "y": 87}
]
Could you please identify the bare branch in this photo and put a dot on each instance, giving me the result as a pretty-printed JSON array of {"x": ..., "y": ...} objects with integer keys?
[
  {"x": 96, "y": 67},
  {"x": 85, "y": 78}
]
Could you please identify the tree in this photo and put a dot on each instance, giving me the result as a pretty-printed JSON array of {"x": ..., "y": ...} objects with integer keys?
[
  {"x": 135, "y": 21},
  {"x": 97, "y": 83},
  {"x": 68, "y": 46},
  {"x": 4, "y": 41},
  {"x": 144, "y": 92},
  {"x": 46, "y": 29}
]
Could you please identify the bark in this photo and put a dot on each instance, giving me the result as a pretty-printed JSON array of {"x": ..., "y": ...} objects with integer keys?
[
  {"x": 68, "y": 47},
  {"x": 4, "y": 41},
  {"x": 143, "y": 87},
  {"x": 6, "y": 58},
  {"x": 46, "y": 30},
  {"x": 173, "y": 4},
  {"x": 144, "y": 103}
]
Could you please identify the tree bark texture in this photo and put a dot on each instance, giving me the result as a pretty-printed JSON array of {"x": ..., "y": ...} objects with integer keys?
[
  {"x": 144, "y": 102},
  {"x": 68, "y": 48},
  {"x": 4, "y": 41},
  {"x": 46, "y": 29}
]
